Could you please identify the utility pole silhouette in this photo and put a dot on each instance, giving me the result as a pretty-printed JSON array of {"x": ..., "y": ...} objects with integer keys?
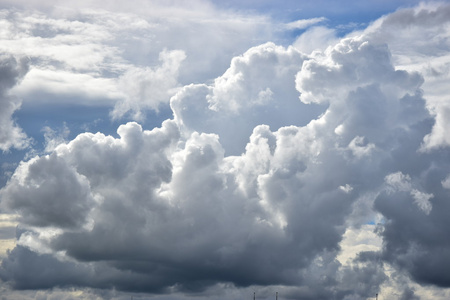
[{"x": 276, "y": 296}]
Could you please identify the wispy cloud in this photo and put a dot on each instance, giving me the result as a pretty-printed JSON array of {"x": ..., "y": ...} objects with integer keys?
[
  {"x": 11, "y": 72},
  {"x": 305, "y": 23}
]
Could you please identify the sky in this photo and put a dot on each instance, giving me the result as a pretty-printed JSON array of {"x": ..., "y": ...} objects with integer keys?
[{"x": 206, "y": 149}]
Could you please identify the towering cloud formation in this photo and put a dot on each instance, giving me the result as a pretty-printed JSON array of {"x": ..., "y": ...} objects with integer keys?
[
  {"x": 167, "y": 210},
  {"x": 258, "y": 88},
  {"x": 262, "y": 179}
]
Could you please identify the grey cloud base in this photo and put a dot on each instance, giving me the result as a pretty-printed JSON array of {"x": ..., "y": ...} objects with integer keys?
[{"x": 167, "y": 210}]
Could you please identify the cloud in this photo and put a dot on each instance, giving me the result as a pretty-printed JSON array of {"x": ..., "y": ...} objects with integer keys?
[
  {"x": 304, "y": 23},
  {"x": 428, "y": 54},
  {"x": 401, "y": 182},
  {"x": 109, "y": 56},
  {"x": 168, "y": 210},
  {"x": 315, "y": 38},
  {"x": 147, "y": 88},
  {"x": 55, "y": 137},
  {"x": 258, "y": 85},
  {"x": 420, "y": 249},
  {"x": 304, "y": 173},
  {"x": 47, "y": 192},
  {"x": 11, "y": 72},
  {"x": 413, "y": 242}
]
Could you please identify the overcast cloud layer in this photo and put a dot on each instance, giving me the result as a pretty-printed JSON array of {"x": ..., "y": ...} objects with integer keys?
[{"x": 312, "y": 164}]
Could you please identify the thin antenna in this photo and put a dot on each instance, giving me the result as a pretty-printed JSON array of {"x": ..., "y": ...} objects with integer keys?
[
  {"x": 376, "y": 296},
  {"x": 276, "y": 297},
  {"x": 254, "y": 295}
]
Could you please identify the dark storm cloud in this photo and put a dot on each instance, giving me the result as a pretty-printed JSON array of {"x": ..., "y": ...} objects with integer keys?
[
  {"x": 52, "y": 194},
  {"x": 414, "y": 240},
  {"x": 27, "y": 265}
]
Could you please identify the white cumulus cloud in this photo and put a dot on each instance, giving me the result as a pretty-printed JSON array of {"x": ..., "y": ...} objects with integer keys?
[{"x": 299, "y": 172}]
